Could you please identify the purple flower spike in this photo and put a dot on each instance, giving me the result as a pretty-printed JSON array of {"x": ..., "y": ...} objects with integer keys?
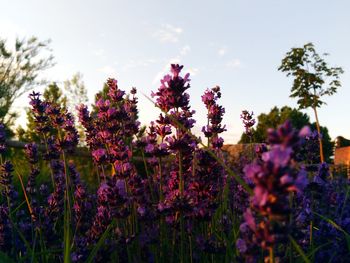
[
  {"x": 6, "y": 177},
  {"x": 248, "y": 121},
  {"x": 275, "y": 175},
  {"x": 99, "y": 155},
  {"x": 215, "y": 116},
  {"x": 31, "y": 150},
  {"x": 176, "y": 69},
  {"x": 5, "y": 229}
]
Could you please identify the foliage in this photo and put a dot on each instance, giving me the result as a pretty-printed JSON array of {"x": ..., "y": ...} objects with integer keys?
[
  {"x": 76, "y": 92},
  {"x": 313, "y": 79},
  {"x": 278, "y": 116},
  {"x": 20, "y": 67},
  {"x": 342, "y": 142},
  {"x": 273, "y": 119}
]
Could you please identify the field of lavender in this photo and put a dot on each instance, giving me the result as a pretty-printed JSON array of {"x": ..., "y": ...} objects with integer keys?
[{"x": 166, "y": 195}]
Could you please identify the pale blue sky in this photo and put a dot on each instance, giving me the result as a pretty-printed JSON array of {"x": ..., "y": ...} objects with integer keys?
[{"x": 237, "y": 45}]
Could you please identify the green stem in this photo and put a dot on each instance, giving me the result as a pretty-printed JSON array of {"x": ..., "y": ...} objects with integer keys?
[
  {"x": 144, "y": 163},
  {"x": 182, "y": 248},
  {"x": 161, "y": 197},
  {"x": 67, "y": 211},
  {"x": 181, "y": 186},
  {"x": 51, "y": 171}
]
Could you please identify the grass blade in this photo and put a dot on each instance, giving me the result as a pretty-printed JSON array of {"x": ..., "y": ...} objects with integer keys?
[
  {"x": 99, "y": 243},
  {"x": 336, "y": 226},
  {"x": 312, "y": 253},
  {"x": 299, "y": 250}
]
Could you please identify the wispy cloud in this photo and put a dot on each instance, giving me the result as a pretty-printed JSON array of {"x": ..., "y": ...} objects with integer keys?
[
  {"x": 168, "y": 33},
  {"x": 222, "y": 51},
  {"x": 108, "y": 70},
  {"x": 234, "y": 63},
  {"x": 184, "y": 51},
  {"x": 134, "y": 63},
  {"x": 112, "y": 70},
  {"x": 193, "y": 71},
  {"x": 175, "y": 60},
  {"x": 101, "y": 53}
]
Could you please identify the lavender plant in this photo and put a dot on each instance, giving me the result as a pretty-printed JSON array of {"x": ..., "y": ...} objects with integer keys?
[
  {"x": 248, "y": 122},
  {"x": 275, "y": 176},
  {"x": 162, "y": 194}
]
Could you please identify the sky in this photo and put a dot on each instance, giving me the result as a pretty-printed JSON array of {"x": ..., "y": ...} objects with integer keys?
[{"x": 236, "y": 44}]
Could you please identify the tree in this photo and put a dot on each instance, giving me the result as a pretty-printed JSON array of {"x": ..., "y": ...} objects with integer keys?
[
  {"x": 19, "y": 71},
  {"x": 273, "y": 119},
  {"x": 278, "y": 116},
  {"x": 313, "y": 79},
  {"x": 73, "y": 94},
  {"x": 340, "y": 141},
  {"x": 76, "y": 94},
  {"x": 75, "y": 91}
]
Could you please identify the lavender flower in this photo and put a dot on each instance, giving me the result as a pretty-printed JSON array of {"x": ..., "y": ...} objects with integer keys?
[
  {"x": 248, "y": 121},
  {"x": 274, "y": 177},
  {"x": 173, "y": 100},
  {"x": 31, "y": 150},
  {"x": 56, "y": 199},
  {"x": 112, "y": 128},
  {"x": 214, "y": 115},
  {"x": 171, "y": 94},
  {"x": 70, "y": 138},
  {"x": 53, "y": 150},
  {"x": 39, "y": 109},
  {"x": 209, "y": 177},
  {"x": 277, "y": 174},
  {"x": 111, "y": 203},
  {"x": 114, "y": 92},
  {"x": 5, "y": 229},
  {"x": 8, "y": 191},
  {"x": 31, "y": 185}
]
